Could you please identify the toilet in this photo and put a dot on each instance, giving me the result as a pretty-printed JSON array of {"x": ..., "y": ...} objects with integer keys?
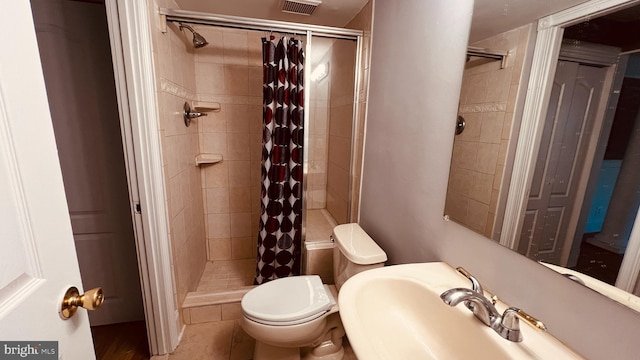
[{"x": 297, "y": 317}]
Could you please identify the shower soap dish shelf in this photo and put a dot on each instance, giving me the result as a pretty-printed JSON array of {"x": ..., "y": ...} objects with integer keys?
[
  {"x": 205, "y": 106},
  {"x": 202, "y": 159}
]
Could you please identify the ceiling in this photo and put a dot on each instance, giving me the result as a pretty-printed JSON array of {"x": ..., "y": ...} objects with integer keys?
[{"x": 490, "y": 17}]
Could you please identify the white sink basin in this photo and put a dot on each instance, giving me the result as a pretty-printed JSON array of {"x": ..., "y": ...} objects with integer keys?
[{"x": 396, "y": 312}]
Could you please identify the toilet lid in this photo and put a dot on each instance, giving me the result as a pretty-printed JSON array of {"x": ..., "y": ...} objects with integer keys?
[{"x": 288, "y": 300}]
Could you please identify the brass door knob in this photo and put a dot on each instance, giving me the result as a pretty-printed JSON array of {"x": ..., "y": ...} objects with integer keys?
[{"x": 90, "y": 300}]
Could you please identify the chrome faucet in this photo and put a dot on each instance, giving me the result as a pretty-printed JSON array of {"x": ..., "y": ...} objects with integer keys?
[
  {"x": 507, "y": 324},
  {"x": 475, "y": 284}
]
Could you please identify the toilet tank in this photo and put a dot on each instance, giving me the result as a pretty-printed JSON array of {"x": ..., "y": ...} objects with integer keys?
[{"x": 355, "y": 251}]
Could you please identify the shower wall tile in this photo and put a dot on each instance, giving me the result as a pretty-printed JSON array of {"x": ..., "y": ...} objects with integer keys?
[
  {"x": 239, "y": 173},
  {"x": 216, "y": 176},
  {"x": 240, "y": 199},
  {"x": 242, "y": 225},
  {"x": 481, "y": 187},
  {"x": 238, "y": 118},
  {"x": 254, "y": 47},
  {"x": 255, "y": 80},
  {"x": 336, "y": 206},
  {"x": 174, "y": 58},
  {"x": 487, "y": 102},
  {"x": 219, "y": 249},
  {"x": 242, "y": 247},
  {"x": 491, "y": 127},
  {"x": 214, "y": 143},
  {"x": 218, "y": 200},
  {"x": 236, "y": 80},
  {"x": 319, "y": 113},
  {"x": 465, "y": 154},
  {"x": 341, "y": 82},
  {"x": 255, "y": 169},
  {"x": 235, "y": 47},
  {"x": 487, "y": 159},
  {"x": 210, "y": 78},
  {"x": 338, "y": 183},
  {"x": 340, "y": 152},
  {"x": 212, "y": 53},
  {"x": 472, "y": 128},
  {"x": 255, "y": 112},
  {"x": 238, "y": 57},
  {"x": 219, "y": 226},
  {"x": 215, "y": 122},
  {"x": 477, "y": 213},
  {"x": 238, "y": 146},
  {"x": 344, "y": 113}
]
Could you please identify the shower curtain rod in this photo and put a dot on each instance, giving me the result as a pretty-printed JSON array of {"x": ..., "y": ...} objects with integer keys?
[
  {"x": 194, "y": 17},
  {"x": 489, "y": 54}
]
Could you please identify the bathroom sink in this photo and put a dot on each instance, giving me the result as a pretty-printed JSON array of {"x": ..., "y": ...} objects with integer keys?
[{"x": 395, "y": 312}]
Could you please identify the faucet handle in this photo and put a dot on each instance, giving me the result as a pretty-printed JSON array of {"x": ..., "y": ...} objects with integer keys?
[
  {"x": 475, "y": 284},
  {"x": 530, "y": 320},
  {"x": 510, "y": 324}
]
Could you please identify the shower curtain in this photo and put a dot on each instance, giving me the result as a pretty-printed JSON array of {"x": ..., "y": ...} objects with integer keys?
[{"x": 280, "y": 232}]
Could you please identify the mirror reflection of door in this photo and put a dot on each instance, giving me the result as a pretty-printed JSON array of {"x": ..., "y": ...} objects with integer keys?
[
  {"x": 571, "y": 116},
  {"x": 590, "y": 230}
]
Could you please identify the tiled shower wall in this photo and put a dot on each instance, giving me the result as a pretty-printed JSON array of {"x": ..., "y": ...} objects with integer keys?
[
  {"x": 487, "y": 103},
  {"x": 318, "y": 140},
  {"x": 341, "y": 58},
  {"x": 174, "y": 62},
  {"x": 229, "y": 71}
]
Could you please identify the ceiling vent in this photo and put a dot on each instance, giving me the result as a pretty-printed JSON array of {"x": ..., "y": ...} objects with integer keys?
[{"x": 300, "y": 7}]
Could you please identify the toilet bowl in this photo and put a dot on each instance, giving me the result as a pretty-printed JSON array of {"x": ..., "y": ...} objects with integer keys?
[{"x": 297, "y": 317}]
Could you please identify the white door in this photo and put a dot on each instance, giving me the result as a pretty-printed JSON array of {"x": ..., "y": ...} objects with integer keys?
[
  {"x": 572, "y": 109},
  {"x": 74, "y": 46},
  {"x": 38, "y": 259}
]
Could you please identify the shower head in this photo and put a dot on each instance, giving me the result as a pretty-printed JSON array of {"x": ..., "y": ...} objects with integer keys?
[{"x": 198, "y": 40}]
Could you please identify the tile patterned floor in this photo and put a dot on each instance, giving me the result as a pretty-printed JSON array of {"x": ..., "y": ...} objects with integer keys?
[{"x": 222, "y": 340}]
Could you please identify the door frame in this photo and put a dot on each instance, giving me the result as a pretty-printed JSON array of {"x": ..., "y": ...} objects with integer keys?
[
  {"x": 545, "y": 57},
  {"x": 132, "y": 49}
]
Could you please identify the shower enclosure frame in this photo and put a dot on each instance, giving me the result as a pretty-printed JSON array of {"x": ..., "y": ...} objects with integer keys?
[
  {"x": 193, "y": 17},
  {"x": 131, "y": 24}
]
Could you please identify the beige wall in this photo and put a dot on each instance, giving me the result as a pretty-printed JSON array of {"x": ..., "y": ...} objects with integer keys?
[
  {"x": 487, "y": 103},
  {"x": 406, "y": 174},
  {"x": 174, "y": 63},
  {"x": 229, "y": 71}
]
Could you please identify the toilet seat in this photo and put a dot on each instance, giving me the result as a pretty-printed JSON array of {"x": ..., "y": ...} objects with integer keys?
[{"x": 288, "y": 301}]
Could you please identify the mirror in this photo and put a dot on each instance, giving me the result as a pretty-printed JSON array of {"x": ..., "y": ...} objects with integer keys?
[{"x": 574, "y": 202}]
